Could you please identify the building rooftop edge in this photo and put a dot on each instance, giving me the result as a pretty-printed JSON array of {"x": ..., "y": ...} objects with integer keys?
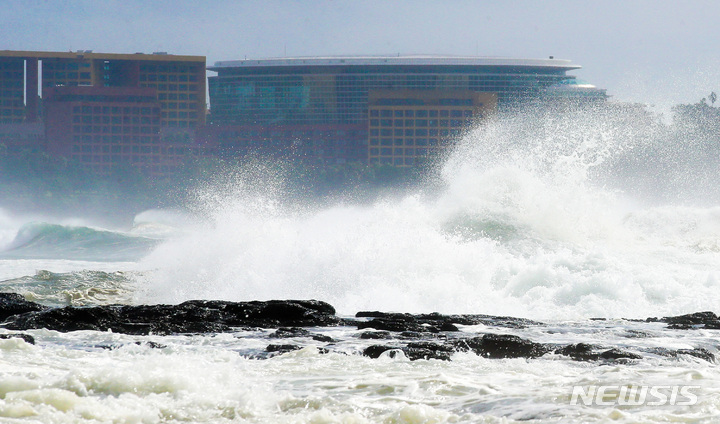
[
  {"x": 89, "y": 54},
  {"x": 393, "y": 60}
]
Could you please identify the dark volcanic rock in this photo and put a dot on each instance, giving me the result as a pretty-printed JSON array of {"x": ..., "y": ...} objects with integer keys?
[
  {"x": 434, "y": 322},
  {"x": 28, "y": 338},
  {"x": 579, "y": 352},
  {"x": 707, "y": 320},
  {"x": 428, "y": 350},
  {"x": 375, "y": 335},
  {"x": 14, "y": 304},
  {"x": 323, "y": 338},
  {"x": 588, "y": 352},
  {"x": 282, "y": 348},
  {"x": 375, "y": 351},
  {"x": 489, "y": 345},
  {"x": 197, "y": 316},
  {"x": 285, "y": 332},
  {"x": 413, "y": 351},
  {"x": 697, "y": 352},
  {"x": 399, "y": 323},
  {"x": 615, "y": 354},
  {"x": 503, "y": 346}
]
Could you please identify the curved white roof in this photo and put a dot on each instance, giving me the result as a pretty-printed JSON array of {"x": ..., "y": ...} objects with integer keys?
[{"x": 395, "y": 60}]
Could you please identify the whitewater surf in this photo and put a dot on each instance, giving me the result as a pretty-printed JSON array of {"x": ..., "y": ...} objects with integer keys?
[{"x": 583, "y": 223}]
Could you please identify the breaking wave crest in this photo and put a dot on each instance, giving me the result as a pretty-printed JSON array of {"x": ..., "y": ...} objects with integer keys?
[
  {"x": 545, "y": 215},
  {"x": 40, "y": 240}
]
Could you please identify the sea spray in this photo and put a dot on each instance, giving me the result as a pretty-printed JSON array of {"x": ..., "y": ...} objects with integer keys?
[{"x": 538, "y": 215}]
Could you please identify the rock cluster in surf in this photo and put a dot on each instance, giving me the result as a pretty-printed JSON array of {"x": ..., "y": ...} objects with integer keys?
[{"x": 420, "y": 336}]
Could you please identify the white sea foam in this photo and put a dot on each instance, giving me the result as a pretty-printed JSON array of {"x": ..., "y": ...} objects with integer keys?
[
  {"x": 536, "y": 217},
  {"x": 70, "y": 378}
]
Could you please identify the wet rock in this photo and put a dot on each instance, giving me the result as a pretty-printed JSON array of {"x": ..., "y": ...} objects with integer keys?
[
  {"x": 697, "y": 352},
  {"x": 434, "y": 322},
  {"x": 14, "y": 304},
  {"x": 615, "y": 354},
  {"x": 399, "y": 323},
  {"x": 282, "y": 348},
  {"x": 428, "y": 350},
  {"x": 285, "y": 332},
  {"x": 489, "y": 346},
  {"x": 28, "y": 338},
  {"x": 413, "y": 351},
  {"x": 589, "y": 352},
  {"x": 375, "y": 351},
  {"x": 412, "y": 335},
  {"x": 503, "y": 346},
  {"x": 197, "y": 316},
  {"x": 579, "y": 352},
  {"x": 707, "y": 320},
  {"x": 375, "y": 335}
]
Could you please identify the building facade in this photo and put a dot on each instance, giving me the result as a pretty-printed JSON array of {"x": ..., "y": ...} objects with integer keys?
[
  {"x": 106, "y": 109},
  {"x": 107, "y": 127},
  {"x": 291, "y": 101},
  {"x": 407, "y": 127}
]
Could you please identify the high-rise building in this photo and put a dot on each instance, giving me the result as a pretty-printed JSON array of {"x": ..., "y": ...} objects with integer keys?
[{"x": 319, "y": 107}]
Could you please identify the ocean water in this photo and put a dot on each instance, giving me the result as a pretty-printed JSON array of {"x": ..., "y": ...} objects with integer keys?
[{"x": 557, "y": 217}]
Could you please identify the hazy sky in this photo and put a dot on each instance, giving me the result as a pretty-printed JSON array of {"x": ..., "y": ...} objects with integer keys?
[{"x": 650, "y": 51}]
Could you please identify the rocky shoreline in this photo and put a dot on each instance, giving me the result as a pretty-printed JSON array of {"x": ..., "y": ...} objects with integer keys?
[{"x": 417, "y": 336}]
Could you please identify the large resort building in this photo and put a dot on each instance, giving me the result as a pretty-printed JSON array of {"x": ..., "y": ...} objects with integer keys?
[
  {"x": 390, "y": 110},
  {"x": 109, "y": 110}
]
